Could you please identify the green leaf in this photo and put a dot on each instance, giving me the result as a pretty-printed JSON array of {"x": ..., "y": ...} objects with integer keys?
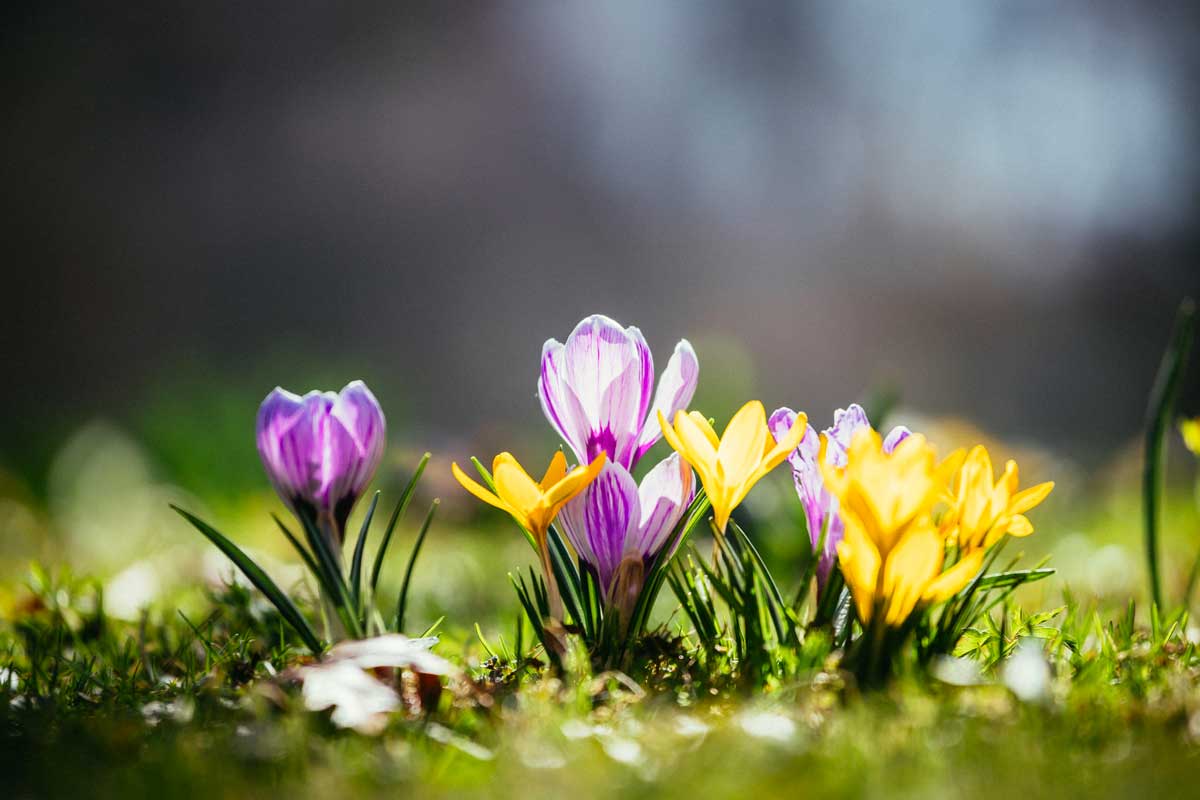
[
  {"x": 397, "y": 513},
  {"x": 359, "y": 546},
  {"x": 565, "y": 575},
  {"x": 301, "y": 549},
  {"x": 1158, "y": 414},
  {"x": 255, "y": 574},
  {"x": 335, "y": 583},
  {"x": 1007, "y": 580},
  {"x": 402, "y": 603}
]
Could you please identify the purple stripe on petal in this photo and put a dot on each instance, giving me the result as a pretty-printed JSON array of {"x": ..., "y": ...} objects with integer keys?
[
  {"x": 279, "y": 412},
  {"x": 620, "y": 413},
  {"x": 572, "y": 519},
  {"x": 646, "y": 390},
  {"x": 612, "y": 510},
  {"x": 676, "y": 387},
  {"x": 779, "y": 423},
  {"x": 596, "y": 353},
  {"x": 897, "y": 435},
  {"x": 359, "y": 413},
  {"x": 595, "y": 389},
  {"x": 845, "y": 423},
  {"x": 664, "y": 496},
  {"x": 559, "y": 402}
]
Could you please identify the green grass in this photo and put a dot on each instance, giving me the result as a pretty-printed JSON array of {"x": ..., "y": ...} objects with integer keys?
[{"x": 193, "y": 700}]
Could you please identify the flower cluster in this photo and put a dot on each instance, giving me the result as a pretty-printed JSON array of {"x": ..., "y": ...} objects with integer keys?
[
  {"x": 894, "y": 551},
  {"x": 901, "y": 531},
  {"x": 597, "y": 391},
  {"x": 825, "y": 525}
]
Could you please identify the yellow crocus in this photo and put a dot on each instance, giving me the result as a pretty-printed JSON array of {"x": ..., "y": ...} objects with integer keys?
[
  {"x": 1190, "y": 430},
  {"x": 892, "y": 554},
  {"x": 982, "y": 511},
  {"x": 731, "y": 464},
  {"x": 534, "y": 504}
]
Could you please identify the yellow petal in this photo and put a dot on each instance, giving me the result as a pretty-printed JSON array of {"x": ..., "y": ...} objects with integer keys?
[
  {"x": 669, "y": 433},
  {"x": 573, "y": 483},
  {"x": 1027, "y": 499},
  {"x": 913, "y": 562},
  {"x": 975, "y": 490},
  {"x": 698, "y": 450},
  {"x": 707, "y": 429},
  {"x": 859, "y": 562},
  {"x": 951, "y": 582},
  {"x": 950, "y": 465},
  {"x": 836, "y": 481},
  {"x": 514, "y": 486},
  {"x": 742, "y": 444},
  {"x": 1019, "y": 526},
  {"x": 773, "y": 457},
  {"x": 722, "y": 509},
  {"x": 478, "y": 490},
  {"x": 695, "y": 445},
  {"x": 556, "y": 470},
  {"x": 1005, "y": 488},
  {"x": 1011, "y": 476}
]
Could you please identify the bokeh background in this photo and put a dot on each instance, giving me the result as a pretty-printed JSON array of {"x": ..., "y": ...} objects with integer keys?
[{"x": 986, "y": 210}]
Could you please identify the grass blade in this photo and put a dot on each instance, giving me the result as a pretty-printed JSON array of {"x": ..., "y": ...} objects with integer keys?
[
  {"x": 402, "y": 602},
  {"x": 1005, "y": 580},
  {"x": 287, "y": 609},
  {"x": 1158, "y": 414},
  {"x": 359, "y": 546},
  {"x": 301, "y": 549},
  {"x": 397, "y": 513}
]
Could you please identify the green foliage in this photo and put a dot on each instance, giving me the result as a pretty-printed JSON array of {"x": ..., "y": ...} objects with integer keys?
[
  {"x": 1158, "y": 417},
  {"x": 351, "y": 602}
]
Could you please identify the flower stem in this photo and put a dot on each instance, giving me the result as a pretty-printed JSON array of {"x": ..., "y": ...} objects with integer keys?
[{"x": 553, "y": 598}]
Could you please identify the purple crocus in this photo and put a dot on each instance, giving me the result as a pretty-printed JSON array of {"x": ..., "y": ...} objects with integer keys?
[
  {"x": 596, "y": 390},
  {"x": 321, "y": 450},
  {"x": 820, "y": 507},
  {"x": 618, "y": 527}
]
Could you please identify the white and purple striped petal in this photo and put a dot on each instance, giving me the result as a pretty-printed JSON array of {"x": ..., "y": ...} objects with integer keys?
[
  {"x": 321, "y": 450},
  {"x": 676, "y": 386},
  {"x": 897, "y": 435},
  {"x": 596, "y": 389},
  {"x": 664, "y": 495},
  {"x": 598, "y": 520},
  {"x": 845, "y": 422}
]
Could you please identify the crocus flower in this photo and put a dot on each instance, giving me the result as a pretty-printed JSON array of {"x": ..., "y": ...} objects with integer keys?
[
  {"x": 618, "y": 527},
  {"x": 533, "y": 504},
  {"x": 321, "y": 450},
  {"x": 983, "y": 511},
  {"x": 596, "y": 389},
  {"x": 892, "y": 554},
  {"x": 820, "y": 507},
  {"x": 729, "y": 466}
]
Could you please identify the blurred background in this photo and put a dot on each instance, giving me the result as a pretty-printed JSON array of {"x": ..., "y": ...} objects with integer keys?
[{"x": 986, "y": 210}]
